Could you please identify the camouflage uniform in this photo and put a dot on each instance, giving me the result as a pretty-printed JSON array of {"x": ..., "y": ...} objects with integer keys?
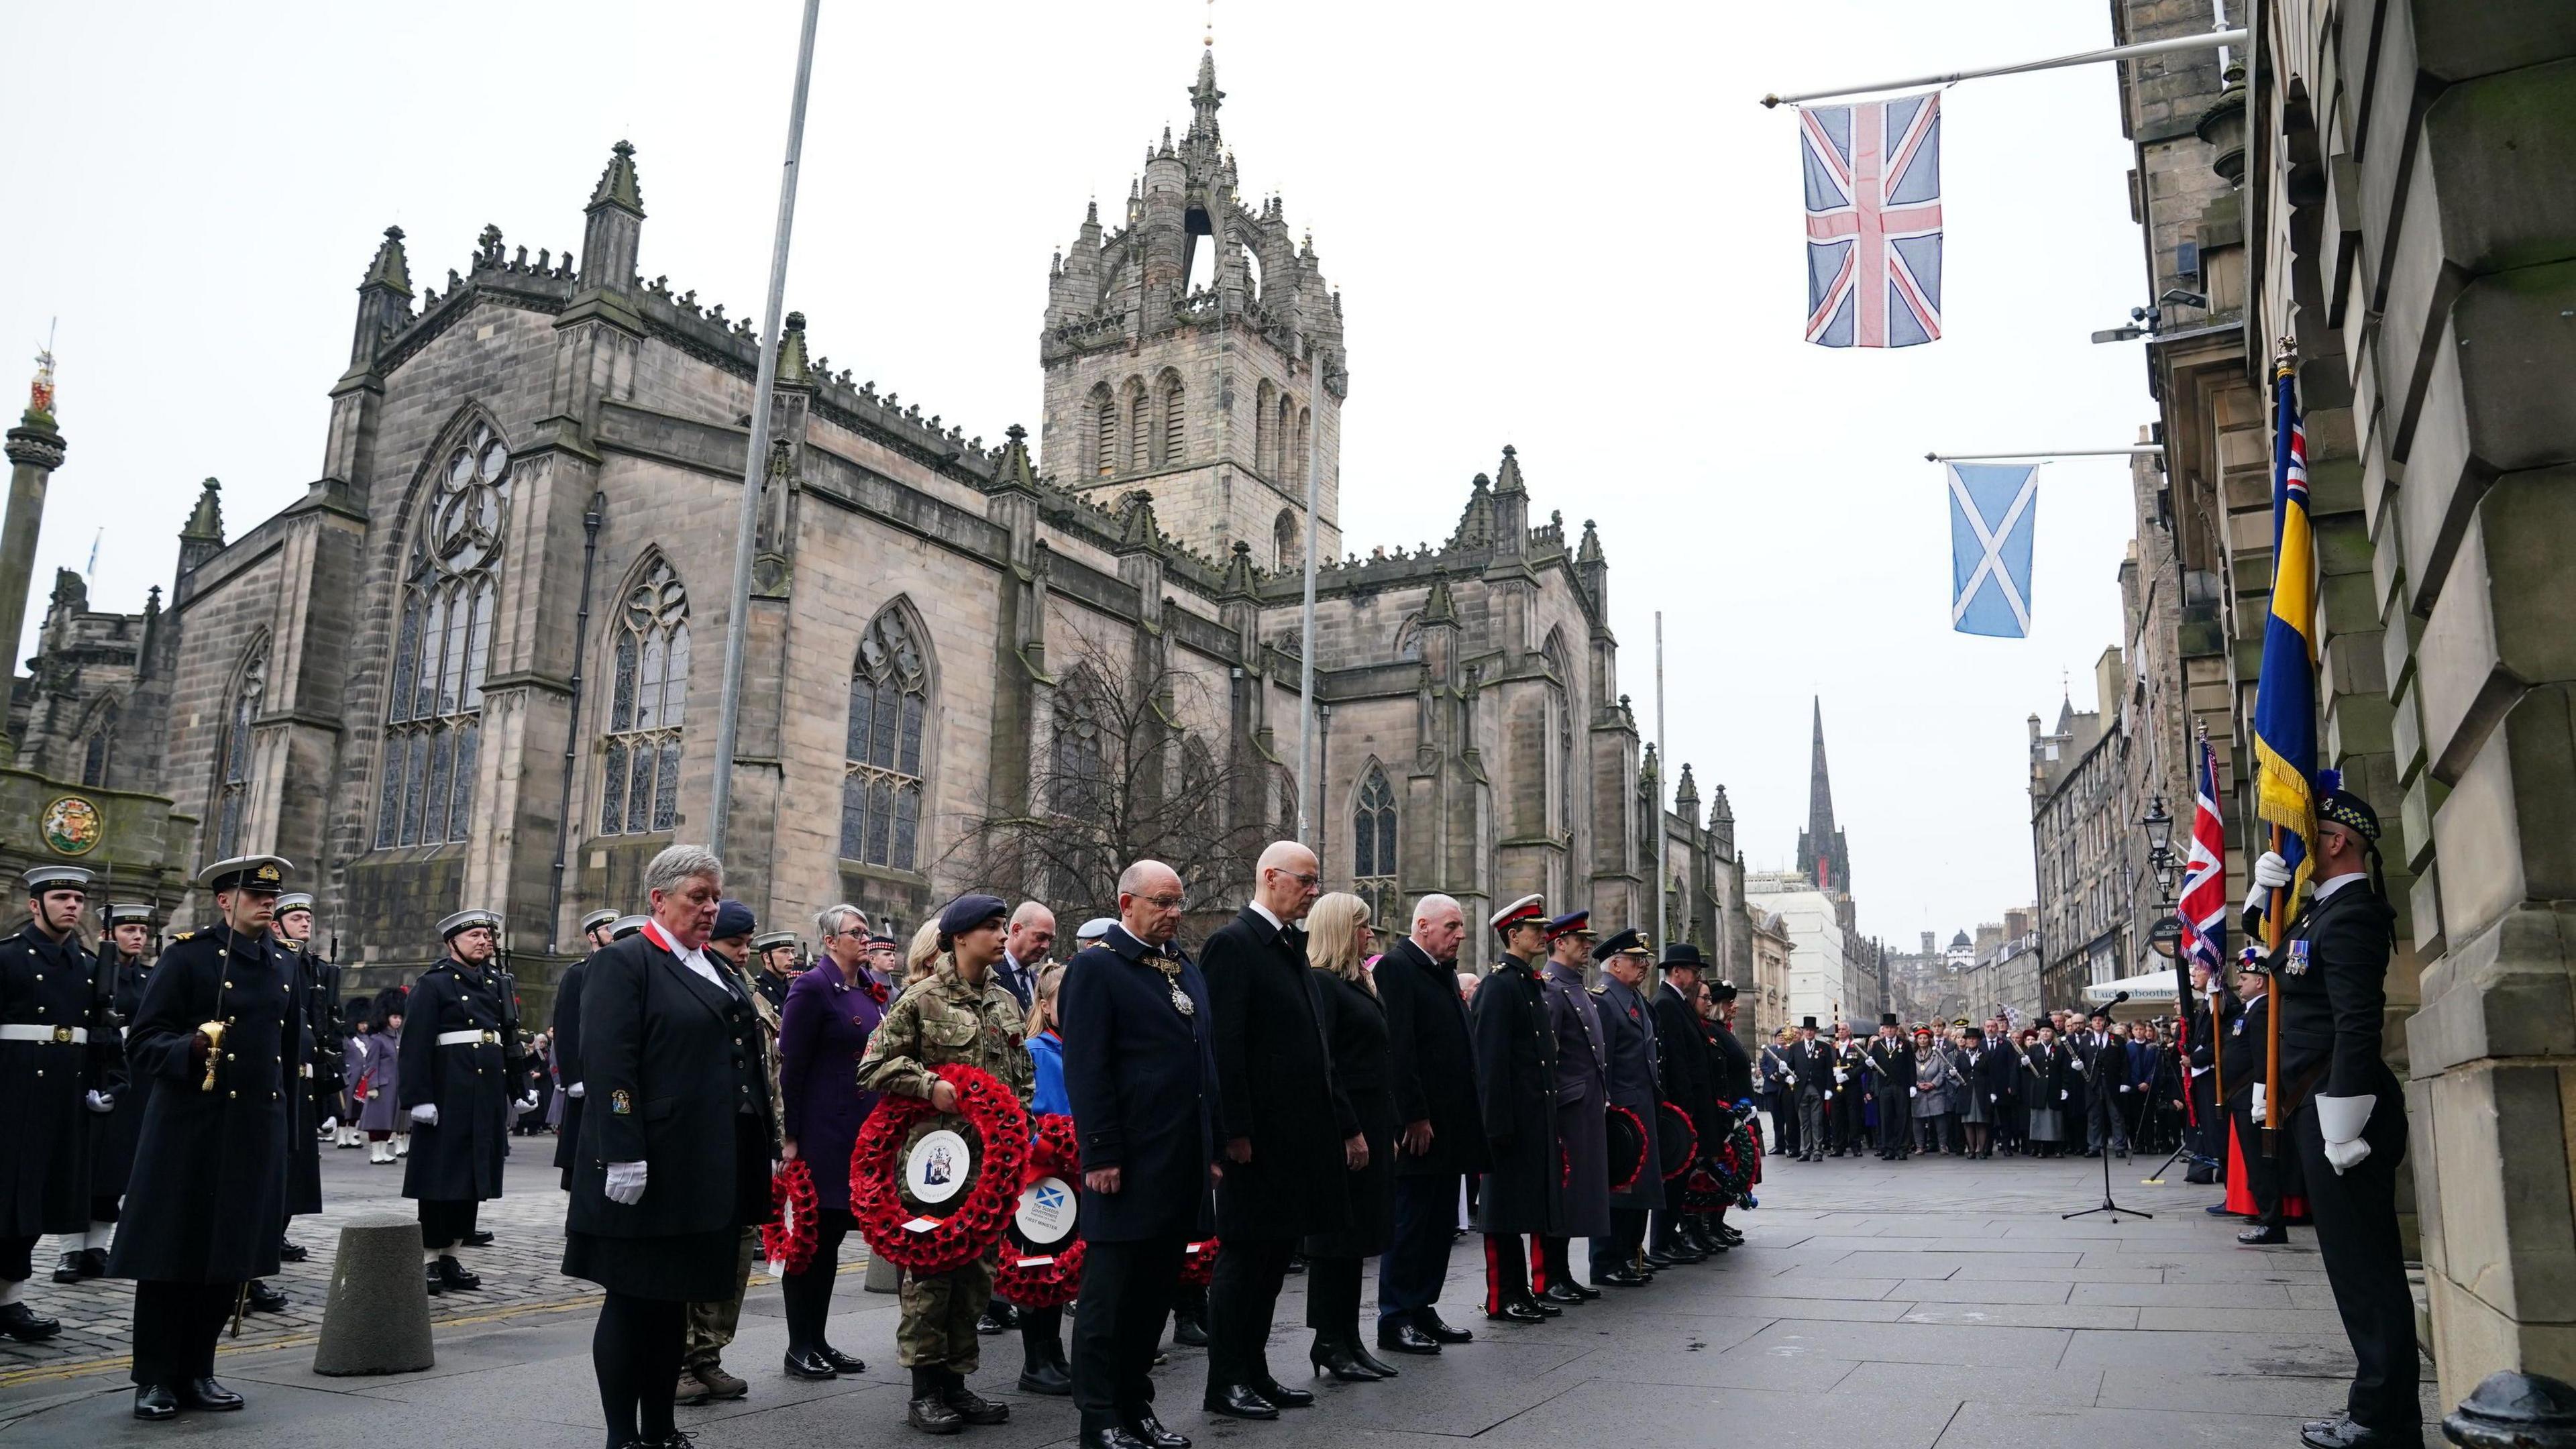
[
  {"x": 712, "y": 1325},
  {"x": 942, "y": 1021}
]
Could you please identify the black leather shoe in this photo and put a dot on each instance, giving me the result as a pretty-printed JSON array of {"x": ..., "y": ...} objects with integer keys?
[
  {"x": 840, "y": 1362},
  {"x": 809, "y": 1366},
  {"x": 2340, "y": 1432},
  {"x": 1283, "y": 1397},
  {"x": 263, "y": 1299},
  {"x": 971, "y": 1406},
  {"x": 1368, "y": 1360},
  {"x": 1582, "y": 1292},
  {"x": 289, "y": 1251},
  {"x": 477, "y": 1239},
  {"x": 1658, "y": 1258},
  {"x": 1620, "y": 1277},
  {"x": 155, "y": 1402},
  {"x": 1145, "y": 1426},
  {"x": 20, "y": 1322},
  {"x": 1189, "y": 1330},
  {"x": 930, "y": 1415},
  {"x": 1397, "y": 1336},
  {"x": 1238, "y": 1401},
  {"x": 1564, "y": 1295},
  {"x": 1109, "y": 1436},
  {"x": 1442, "y": 1332},
  {"x": 1545, "y": 1308},
  {"x": 80, "y": 1264},
  {"x": 209, "y": 1395},
  {"x": 997, "y": 1317},
  {"x": 451, "y": 1274},
  {"x": 2264, "y": 1237},
  {"x": 1517, "y": 1310},
  {"x": 1341, "y": 1360}
]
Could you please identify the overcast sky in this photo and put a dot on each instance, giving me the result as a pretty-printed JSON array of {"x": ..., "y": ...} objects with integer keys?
[{"x": 1568, "y": 228}]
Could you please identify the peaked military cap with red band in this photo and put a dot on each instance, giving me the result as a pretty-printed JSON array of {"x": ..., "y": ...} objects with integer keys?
[
  {"x": 1568, "y": 924},
  {"x": 1528, "y": 910}
]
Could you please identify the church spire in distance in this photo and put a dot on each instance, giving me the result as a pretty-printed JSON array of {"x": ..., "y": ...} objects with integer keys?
[{"x": 1823, "y": 856}]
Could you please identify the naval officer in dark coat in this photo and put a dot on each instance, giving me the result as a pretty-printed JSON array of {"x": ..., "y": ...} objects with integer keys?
[
  {"x": 567, "y": 1026},
  {"x": 216, "y": 1033},
  {"x": 123, "y": 970},
  {"x": 460, "y": 1055},
  {"x": 57, "y": 1063},
  {"x": 2346, "y": 1113}
]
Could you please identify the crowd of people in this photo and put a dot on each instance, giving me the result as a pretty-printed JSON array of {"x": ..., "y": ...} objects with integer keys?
[
  {"x": 1310, "y": 1092},
  {"x": 2060, "y": 1085}
]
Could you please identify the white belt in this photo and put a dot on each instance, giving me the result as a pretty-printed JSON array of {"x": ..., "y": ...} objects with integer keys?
[
  {"x": 308, "y": 1071},
  {"x": 469, "y": 1038},
  {"x": 28, "y": 1031}
]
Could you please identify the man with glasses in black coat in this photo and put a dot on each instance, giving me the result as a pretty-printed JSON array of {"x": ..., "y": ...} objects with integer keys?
[{"x": 1433, "y": 1073}]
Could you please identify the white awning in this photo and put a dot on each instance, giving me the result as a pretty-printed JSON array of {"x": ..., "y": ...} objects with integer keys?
[{"x": 2154, "y": 989}]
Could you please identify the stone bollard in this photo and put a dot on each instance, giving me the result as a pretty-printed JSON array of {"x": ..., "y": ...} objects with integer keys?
[
  {"x": 2514, "y": 1411},
  {"x": 377, "y": 1321},
  {"x": 883, "y": 1277}
]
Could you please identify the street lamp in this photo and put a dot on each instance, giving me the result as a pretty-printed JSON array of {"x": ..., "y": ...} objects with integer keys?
[{"x": 2159, "y": 830}]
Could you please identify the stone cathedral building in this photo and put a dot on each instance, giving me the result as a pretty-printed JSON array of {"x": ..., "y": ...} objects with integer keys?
[{"x": 478, "y": 662}]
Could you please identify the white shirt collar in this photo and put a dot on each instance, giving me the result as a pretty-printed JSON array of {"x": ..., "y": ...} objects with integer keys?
[
  {"x": 2330, "y": 885},
  {"x": 1267, "y": 914},
  {"x": 693, "y": 957}
]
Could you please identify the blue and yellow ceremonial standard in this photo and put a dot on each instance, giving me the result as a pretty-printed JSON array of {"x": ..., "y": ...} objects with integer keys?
[{"x": 2285, "y": 699}]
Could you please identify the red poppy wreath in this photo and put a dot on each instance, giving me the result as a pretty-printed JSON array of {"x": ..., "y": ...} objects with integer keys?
[
  {"x": 787, "y": 1239},
  {"x": 1666, "y": 1114},
  {"x": 1198, "y": 1263},
  {"x": 905, "y": 1233},
  {"x": 1045, "y": 1275},
  {"x": 1627, "y": 1174}
]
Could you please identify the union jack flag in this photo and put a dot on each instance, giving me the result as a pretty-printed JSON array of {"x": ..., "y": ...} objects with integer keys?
[
  {"x": 1873, "y": 175},
  {"x": 2204, "y": 874}
]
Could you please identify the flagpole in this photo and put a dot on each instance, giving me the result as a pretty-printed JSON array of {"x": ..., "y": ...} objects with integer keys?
[
  {"x": 755, "y": 464},
  {"x": 1310, "y": 788},
  {"x": 2210, "y": 41},
  {"x": 1663, "y": 766},
  {"x": 2142, "y": 450}
]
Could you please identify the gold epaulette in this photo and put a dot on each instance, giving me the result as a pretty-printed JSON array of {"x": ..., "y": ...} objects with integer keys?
[{"x": 183, "y": 935}]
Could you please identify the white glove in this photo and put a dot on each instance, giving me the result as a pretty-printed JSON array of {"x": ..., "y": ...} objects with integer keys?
[
  {"x": 100, "y": 1102},
  {"x": 2257, "y": 1113},
  {"x": 330, "y": 1124},
  {"x": 2271, "y": 873},
  {"x": 2341, "y": 1119},
  {"x": 573, "y": 1091},
  {"x": 2061, "y": 1094},
  {"x": 626, "y": 1183},
  {"x": 528, "y": 1103},
  {"x": 1841, "y": 1076},
  {"x": 1914, "y": 1091},
  {"x": 426, "y": 1114},
  {"x": 2124, "y": 1086},
  {"x": 1829, "y": 1096}
]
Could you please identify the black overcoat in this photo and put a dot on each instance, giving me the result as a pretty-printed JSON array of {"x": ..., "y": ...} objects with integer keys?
[
  {"x": 112, "y": 1137},
  {"x": 1355, "y": 1021},
  {"x": 1998, "y": 1075},
  {"x": 303, "y": 1148},
  {"x": 209, "y": 1185},
  {"x": 1628, "y": 1040},
  {"x": 1141, "y": 1074},
  {"x": 459, "y": 1159},
  {"x": 568, "y": 1064},
  {"x": 50, "y": 988},
  {"x": 1431, "y": 1060},
  {"x": 1730, "y": 1066},
  {"x": 658, "y": 1043},
  {"x": 1274, "y": 1077},
  {"x": 1524, "y": 1190},
  {"x": 1690, "y": 1081}
]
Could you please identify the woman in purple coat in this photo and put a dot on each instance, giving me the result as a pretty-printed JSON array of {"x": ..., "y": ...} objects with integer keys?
[{"x": 831, "y": 1011}]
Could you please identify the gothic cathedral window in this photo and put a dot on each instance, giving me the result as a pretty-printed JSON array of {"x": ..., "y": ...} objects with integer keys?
[
  {"x": 1104, "y": 432},
  {"x": 233, "y": 794},
  {"x": 100, "y": 745},
  {"x": 882, "y": 778},
  {"x": 1175, "y": 425},
  {"x": 1373, "y": 847},
  {"x": 640, "y": 784},
  {"x": 450, "y": 586}
]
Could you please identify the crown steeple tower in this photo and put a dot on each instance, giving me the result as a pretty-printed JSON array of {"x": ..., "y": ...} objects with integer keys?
[{"x": 1197, "y": 350}]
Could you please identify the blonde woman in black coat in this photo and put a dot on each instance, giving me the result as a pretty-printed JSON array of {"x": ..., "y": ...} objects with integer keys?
[{"x": 1338, "y": 941}]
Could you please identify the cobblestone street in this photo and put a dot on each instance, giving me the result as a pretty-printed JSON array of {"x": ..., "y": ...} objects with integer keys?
[{"x": 1926, "y": 1305}]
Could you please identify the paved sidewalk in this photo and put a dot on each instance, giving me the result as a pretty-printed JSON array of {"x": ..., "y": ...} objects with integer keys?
[{"x": 1913, "y": 1305}]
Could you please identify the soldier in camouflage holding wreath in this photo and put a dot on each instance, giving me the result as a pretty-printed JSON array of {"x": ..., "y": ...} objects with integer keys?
[{"x": 961, "y": 1015}]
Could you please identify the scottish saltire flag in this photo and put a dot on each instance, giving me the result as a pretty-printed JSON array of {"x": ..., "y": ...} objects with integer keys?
[
  {"x": 2285, "y": 699},
  {"x": 1873, "y": 222},
  {"x": 1992, "y": 513},
  {"x": 2204, "y": 872}
]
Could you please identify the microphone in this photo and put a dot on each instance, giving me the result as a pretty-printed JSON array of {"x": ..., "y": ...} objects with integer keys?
[{"x": 2116, "y": 1000}]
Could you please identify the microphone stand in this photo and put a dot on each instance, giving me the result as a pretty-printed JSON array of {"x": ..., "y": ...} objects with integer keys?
[{"x": 2109, "y": 1205}]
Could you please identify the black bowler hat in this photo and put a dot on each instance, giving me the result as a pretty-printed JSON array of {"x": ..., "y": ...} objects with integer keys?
[{"x": 1683, "y": 956}]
